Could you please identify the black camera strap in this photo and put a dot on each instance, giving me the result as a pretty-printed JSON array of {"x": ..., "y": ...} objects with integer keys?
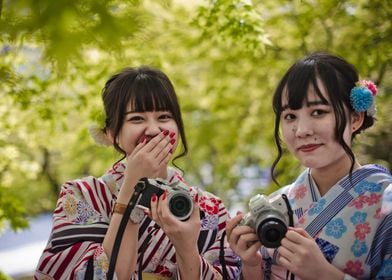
[
  {"x": 139, "y": 188},
  {"x": 291, "y": 223},
  {"x": 222, "y": 256}
]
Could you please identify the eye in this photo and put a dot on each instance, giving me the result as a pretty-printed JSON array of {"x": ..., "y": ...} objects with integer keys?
[
  {"x": 165, "y": 116},
  {"x": 318, "y": 112},
  {"x": 135, "y": 119},
  {"x": 289, "y": 116}
]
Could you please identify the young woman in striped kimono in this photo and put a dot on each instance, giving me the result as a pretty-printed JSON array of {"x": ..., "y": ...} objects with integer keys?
[
  {"x": 144, "y": 123},
  {"x": 342, "y": 229}
]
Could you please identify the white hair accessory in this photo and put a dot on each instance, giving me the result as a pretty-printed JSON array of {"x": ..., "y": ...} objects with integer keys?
[{"x": 98, "y": 135}]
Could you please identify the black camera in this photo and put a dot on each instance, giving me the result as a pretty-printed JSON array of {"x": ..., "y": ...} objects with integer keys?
[
  {"x": 269, "y": 218},
  {"x": 179, "y": 199}
]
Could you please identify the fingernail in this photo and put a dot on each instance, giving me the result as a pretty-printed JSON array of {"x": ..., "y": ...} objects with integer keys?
[
  {"x": 172, "y": 134},
  {"x": 154, "y": 197},
  {"x": 172, "y": 141},
  {"x": 197, "y": 197},
  {"x": 164, "y": 195},
  {"x": 165, "y": 132},
  {"x": 142, "y": 139}
]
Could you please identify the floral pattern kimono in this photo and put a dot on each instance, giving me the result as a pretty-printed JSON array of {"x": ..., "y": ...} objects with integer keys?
[
  {"x": 81, "y": 219},
  {"x": 347, "y": 223}
]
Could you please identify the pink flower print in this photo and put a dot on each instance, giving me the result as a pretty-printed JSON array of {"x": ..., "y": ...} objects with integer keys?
[
  {"x": 361, "y": 230},
  {"x": 354, "y": 268},
  {"x": 209, "y": 205},
  {"x": 359, "y": 202},
  {"x": 98, "y": 252},
  {"x": 300, "y": 192},
  {"x": 373, "y": 199}
]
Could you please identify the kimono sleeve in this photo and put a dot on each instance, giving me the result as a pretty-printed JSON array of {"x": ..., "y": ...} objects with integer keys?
[
  {"x": 80, "y": 222},
  {"x": 387, "y": 200}
]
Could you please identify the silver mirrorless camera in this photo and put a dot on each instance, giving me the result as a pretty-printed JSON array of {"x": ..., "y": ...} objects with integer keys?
[
  {"x": 179, "y": 199},
  {"x": 269, "y": 218}
]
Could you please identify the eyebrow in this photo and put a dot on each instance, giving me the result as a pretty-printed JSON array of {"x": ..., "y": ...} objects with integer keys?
[{"x": 308, "y": 104}]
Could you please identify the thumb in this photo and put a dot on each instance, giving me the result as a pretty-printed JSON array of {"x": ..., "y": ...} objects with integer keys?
[
  {"x": 196, "y": 208},
  {"x": 301, "y": 231}
]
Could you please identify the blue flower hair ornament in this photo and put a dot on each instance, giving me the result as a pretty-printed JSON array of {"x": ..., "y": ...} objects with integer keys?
[{"x": 362, "y": 97}]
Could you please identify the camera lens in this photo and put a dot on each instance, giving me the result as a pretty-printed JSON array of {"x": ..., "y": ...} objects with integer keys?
[
  {"x": 271, "y": 232},
  {"x": 181, "y": 205}
]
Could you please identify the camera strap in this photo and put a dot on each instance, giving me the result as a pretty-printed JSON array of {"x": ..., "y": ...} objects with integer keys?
[
  {"x": 139, "y": 188},
  {"x": 222, "y": 256},
  {"x": 291, "y": 223}
]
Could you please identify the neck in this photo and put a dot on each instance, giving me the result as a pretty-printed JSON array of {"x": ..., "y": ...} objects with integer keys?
[{"x": 328, "y": 176}]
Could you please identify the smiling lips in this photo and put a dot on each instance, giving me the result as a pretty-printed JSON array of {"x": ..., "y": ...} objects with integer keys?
[{"x": 309, "y": 148}]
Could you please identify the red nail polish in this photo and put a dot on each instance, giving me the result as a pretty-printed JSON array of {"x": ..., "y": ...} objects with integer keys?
[
  {"x": 165, "y": 132},
  {"x": 197, "y": 197},
  {"x": 142, "y": 139},
  {"x": 172, "y": 141},
  {"x": 154, "y": 197},
  {"x": 164, "y": 195},
  {"x": 172, "y": 134}
]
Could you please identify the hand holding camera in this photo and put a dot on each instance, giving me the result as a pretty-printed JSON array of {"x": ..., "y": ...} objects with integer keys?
[
  {"x": 179, "y": 199},
  {"x": 269, "y": 218}
]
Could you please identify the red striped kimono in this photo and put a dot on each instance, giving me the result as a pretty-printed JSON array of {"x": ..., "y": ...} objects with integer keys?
[{"x": 82, "y": 216}]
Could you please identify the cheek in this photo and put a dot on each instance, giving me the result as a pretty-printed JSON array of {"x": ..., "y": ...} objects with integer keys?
[{"x": 287, "y": 134}]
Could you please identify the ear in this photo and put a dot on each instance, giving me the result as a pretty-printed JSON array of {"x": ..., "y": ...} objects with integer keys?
[
  {"x": 357, "y": 119},
  {"x": 110, "y": 137}
]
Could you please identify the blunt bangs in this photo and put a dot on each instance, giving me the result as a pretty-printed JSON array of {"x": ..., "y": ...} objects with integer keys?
[
  {"x": 295, "y": 86},
  {"x": 149, "y": 94}
]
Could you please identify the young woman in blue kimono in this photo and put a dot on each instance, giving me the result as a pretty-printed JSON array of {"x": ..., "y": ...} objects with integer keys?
[{"x": 342, "y": 229}]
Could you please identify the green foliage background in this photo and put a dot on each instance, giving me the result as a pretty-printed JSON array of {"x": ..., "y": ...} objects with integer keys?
[{"x": 225, "y": 58}]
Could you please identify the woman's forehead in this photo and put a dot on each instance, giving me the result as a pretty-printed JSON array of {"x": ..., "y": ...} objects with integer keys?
[{"x": 312, "y": 95}]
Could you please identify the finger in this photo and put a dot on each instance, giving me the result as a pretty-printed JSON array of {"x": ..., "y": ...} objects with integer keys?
[
  {"x": 140, "y": 145},
  {"x": 232, "y": 223},
  {"x": 296, "y": 237},
  {"x": 165, "y": 155},
  {"x": 247, "y": 240},
  {"x": 301, "y": 231},
  {"x": 163, "y": 211},
  {"x": 286, "y": 252},
  {"x": 196, "y": 209},
  {"x": 154, "y": 209},
  {"x": 254, "y": 248},
  {"x": 157, "y": 143}
]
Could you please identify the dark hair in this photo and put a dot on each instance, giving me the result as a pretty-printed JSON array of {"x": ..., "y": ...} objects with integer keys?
[
  {"x": 338, "y": 78},
  {"x": 149, "y": 89}
]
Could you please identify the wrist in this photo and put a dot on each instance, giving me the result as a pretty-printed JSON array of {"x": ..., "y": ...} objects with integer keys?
[
  {"x": 187, "y": 254},
  {"x": 334, "y": 273},
  {"x": 136, "y": 215}
]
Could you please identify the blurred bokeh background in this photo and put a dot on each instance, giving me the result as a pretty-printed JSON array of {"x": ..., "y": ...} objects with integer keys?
[{"x": 224, "y": 57}]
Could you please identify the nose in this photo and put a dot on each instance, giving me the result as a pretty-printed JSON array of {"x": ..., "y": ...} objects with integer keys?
[
  {"x": 153, "y": 128},
  {"x": 303, "y": 128}
]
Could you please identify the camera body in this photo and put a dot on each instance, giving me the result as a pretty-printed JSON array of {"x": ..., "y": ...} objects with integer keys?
[
  {"x": 178, "y": 196},
  {"x": 270, "y": 218}
]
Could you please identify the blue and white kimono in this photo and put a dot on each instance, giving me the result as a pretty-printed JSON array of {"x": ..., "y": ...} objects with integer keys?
[{"x": 347, "y": 222}]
